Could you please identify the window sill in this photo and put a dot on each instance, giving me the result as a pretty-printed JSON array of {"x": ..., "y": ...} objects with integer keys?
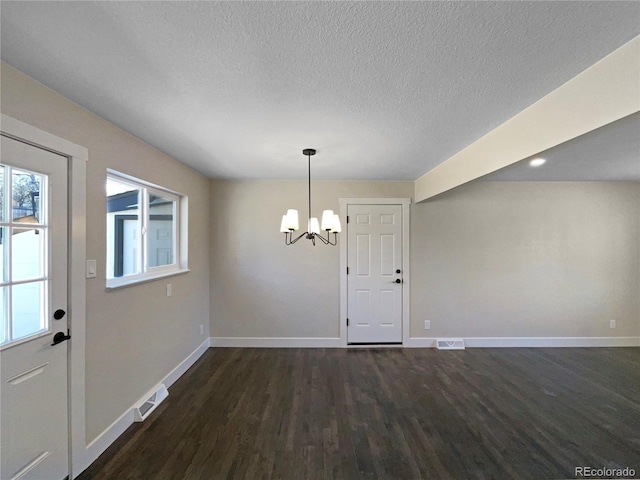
[{"x": 129, "y": 282}]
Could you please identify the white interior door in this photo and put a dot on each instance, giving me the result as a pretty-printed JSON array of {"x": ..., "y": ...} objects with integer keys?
[
  {"x": 33, "y": 302},
  {"x": 374, "y": 280}
]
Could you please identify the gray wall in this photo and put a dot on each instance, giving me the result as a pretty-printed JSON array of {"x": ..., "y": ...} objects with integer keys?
[
  {"x": 136, "y": 335},
  {"x": 527, "y": 259}
]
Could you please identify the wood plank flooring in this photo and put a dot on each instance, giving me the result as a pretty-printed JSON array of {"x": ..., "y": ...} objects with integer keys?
[{"x": 389, "y": 414}]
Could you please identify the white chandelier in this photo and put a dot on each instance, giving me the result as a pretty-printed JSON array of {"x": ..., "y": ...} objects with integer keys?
[{"x": 330, "y": 221}]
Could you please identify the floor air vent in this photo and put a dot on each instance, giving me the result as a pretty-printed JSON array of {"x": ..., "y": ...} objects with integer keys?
[
  {"x": 450, "y": 344},
  {"x": 143, "y": 410}
]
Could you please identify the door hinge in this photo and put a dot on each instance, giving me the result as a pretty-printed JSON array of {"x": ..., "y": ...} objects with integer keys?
[
  {"x": 347, "y": 218},
  {"x": 347, "y": 270},
  {"x": 347, "y": 322}
]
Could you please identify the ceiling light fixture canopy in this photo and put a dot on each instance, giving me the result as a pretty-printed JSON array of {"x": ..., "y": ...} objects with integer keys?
[{"x": 330, "y": 221}]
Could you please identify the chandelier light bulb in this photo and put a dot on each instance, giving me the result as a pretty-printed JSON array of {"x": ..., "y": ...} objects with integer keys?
[
  {"x": 327, "y": 220},
  {"x": 292, "y": 219},
  {"x": 337, "y": 228},
  {"x": 313, "y": 226},
  {"x": 284, "y": 226}
]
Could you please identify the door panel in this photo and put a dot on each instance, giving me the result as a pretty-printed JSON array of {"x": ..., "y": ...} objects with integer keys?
[
  {"x": 387, "y": 307},
  {"x": 374, "y": 250},
  {"x": 33, "y": 373},
  {"x": 363, "y": 303},
  {"x": 387, "y": 255},
  {"x": 363, "y": 255}
]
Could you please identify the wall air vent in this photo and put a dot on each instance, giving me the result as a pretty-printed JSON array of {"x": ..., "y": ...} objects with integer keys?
[
  {"x": 144, "y": 409},
  {"x": 450, "y": 343}
]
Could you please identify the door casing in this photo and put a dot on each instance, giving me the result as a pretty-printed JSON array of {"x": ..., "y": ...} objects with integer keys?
[
  {"x": 405, "y": 203},
  {"x": 77, "y": 166}
]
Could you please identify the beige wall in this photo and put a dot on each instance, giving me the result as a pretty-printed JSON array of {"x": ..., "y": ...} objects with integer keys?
[
  {"x": 259, "y": 286},
  {"x": 136, "y": 335},
  {"x": 520, "y": 259},
  {"x": 489, "y": 259}
]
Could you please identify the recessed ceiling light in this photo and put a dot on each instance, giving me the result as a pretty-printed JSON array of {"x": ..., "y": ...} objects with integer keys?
[{"x": 536, "y": 162}]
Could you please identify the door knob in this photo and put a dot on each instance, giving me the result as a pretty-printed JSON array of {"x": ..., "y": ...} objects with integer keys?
[
  {"x": 398, "y": 280},
  {"x": 58, "y": 314},
  {"x": 59, "y": 338}
]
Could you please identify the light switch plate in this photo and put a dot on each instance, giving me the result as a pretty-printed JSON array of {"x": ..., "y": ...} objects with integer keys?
[{"x": 92, "y": 269}]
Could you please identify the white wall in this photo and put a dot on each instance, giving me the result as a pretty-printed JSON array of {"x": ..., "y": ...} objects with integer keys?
[
  {"x": 136, "y": 335},
  {"x": 527, "y": 259}
]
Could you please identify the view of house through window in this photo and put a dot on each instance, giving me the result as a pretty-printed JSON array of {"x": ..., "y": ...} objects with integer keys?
[
  {"x": 23, "y": 254},
  {"x": 142, "y": 230},
  {"x": 161, "y": 230}
]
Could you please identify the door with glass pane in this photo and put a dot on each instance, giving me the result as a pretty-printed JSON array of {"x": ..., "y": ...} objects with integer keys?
[{"x": 33, "y": 320}]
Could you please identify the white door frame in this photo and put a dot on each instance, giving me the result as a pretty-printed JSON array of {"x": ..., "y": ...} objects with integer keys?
[
  {"x": 77, "y": 168},
  {"x": 406, "y": 274}
]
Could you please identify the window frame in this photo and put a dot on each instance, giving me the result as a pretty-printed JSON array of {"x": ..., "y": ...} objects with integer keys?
[{"x": 148, "y": 273}]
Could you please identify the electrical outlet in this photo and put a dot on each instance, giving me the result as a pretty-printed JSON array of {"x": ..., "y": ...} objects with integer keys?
[
  {"x": 201, "y": 329},
  {"x": 169, "y": 289},
  {"x": 427, "y": 324},
  {"x": 612, "y": 324}
]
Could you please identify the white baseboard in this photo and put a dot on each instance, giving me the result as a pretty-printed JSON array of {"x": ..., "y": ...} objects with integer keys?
[
  {"x": 117, "y": 428},
  {"x": 275, "y": 342},
  {"x": 511, "y": 342},
  {"x": 419, "y": 342},
  {"x": 105, "y": 439},
  {"x": 186, "y": 364}
]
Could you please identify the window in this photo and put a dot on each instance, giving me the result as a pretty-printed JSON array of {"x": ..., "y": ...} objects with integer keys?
[
  {"x": 144, "y": 229},
  {"x": 24, "y": 270}
]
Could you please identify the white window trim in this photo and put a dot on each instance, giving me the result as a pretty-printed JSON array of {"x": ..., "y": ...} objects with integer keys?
[{"x": 180, "y": 225}]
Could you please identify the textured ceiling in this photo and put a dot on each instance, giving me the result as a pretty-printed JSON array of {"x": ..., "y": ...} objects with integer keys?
[
  {"x": 383, "y": 90},
  {"x": 608, "y": 153}
]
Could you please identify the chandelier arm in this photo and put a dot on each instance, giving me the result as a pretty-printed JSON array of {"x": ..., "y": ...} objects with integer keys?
[
  {"x": 288, "y": 238},
  {"x": 335, "y": 239},
  {"x": 324, "y": 240},
  {"x": 291, "y": 242}
]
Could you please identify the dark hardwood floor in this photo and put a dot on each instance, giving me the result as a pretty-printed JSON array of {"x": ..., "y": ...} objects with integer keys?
[{"x": 389, "y": 414}]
